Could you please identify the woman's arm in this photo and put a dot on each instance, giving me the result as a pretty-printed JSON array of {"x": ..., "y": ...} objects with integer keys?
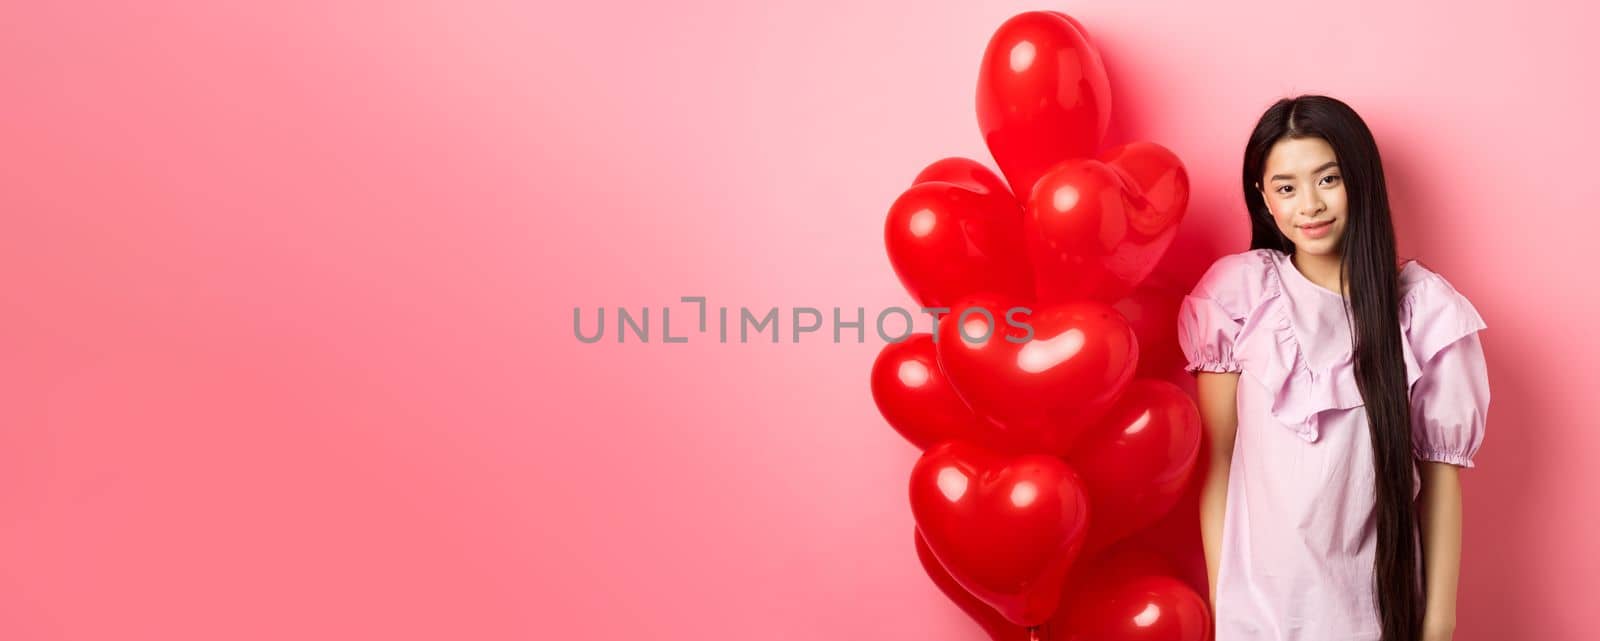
[
  {"x": 1216, "y": 394},
  {"x": 1440, "y": 521}
]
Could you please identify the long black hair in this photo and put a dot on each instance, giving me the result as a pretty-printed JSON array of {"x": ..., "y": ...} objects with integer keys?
[{"x": 1368, "y": 267}]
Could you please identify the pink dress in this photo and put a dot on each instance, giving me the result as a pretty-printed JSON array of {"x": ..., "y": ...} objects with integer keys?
[{"x": 1299, "y": 532}]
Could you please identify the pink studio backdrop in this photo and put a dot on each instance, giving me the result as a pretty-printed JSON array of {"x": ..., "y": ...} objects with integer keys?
[{"x": 286, "y": 295}]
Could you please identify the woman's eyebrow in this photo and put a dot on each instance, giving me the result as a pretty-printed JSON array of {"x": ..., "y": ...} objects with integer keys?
[{"x": 1330, "y": 164}]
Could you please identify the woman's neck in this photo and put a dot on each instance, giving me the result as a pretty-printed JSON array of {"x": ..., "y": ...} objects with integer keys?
[{"x": 1322, "y": 270}]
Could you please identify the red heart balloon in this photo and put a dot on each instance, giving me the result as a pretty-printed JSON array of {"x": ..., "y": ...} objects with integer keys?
[
  {"x": 1136, "y": 462},
  {"x": 955, "y": 232},
  {"x": 916, "y": 398},
  {"x": 1074, "y": 21},
  {"x": 1044, "y": 388},
  {"x": 1043, "y": 96},
  {"x": 1006, "y": 528},
  {"x": 1120, "y": 606},
  {"x": 1107, "y": 571},
  {"x": 969, "y": 173},
  {"x": 987, "y": 618},
  {"x": 1159, "y": 176},
  {"x": 1096, "y": 228}
]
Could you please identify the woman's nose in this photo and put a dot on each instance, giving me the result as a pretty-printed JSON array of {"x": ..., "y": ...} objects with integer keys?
[{"x": 1313, "y": 203}]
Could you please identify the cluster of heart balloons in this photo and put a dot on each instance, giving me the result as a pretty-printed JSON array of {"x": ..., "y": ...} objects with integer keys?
[{"x": 1047, "y": 444}]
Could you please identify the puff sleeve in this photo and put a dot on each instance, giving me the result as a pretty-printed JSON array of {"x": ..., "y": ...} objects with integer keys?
[
  {"x": 1208, "y": 324},
  {"x": 1450, "y": 399}
]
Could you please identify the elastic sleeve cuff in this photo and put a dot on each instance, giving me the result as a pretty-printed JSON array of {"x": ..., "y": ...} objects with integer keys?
[
  {"x": 1441, "y": 456},
  {"x": 1213, "y": 366}
]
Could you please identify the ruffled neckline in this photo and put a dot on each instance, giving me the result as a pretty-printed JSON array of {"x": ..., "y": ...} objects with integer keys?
[
  {"x": 1285, "y": 263},
  {"x": 1272, "y": 354}
]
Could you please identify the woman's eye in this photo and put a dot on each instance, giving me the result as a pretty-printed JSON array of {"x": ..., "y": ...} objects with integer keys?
[
  {"x": 1330, "y": 179},
  {"x": 1284, "y": 190}
]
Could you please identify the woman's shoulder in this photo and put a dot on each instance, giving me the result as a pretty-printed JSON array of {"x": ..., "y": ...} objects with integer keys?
[
  {"x": 1238, "y": 281},
  {"x": 1421, "y": 285},
  {"x": 1433, "y": 312}
]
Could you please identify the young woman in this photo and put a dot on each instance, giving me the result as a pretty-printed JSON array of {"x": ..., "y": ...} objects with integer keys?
[{"x": 1331, "y": 506}]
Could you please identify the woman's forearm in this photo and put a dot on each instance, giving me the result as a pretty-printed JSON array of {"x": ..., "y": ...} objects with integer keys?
[
  {"x": 1216, "y": 394},
  {"x": 1439, "y": 512},
  {"x": 1213, "y": 503}
]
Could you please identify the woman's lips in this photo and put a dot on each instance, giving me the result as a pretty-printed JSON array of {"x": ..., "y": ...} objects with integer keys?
[{"x": 1316, "y": 230}]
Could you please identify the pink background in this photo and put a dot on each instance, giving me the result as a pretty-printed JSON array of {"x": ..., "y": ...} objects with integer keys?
[{"x": 286, "y": 296}]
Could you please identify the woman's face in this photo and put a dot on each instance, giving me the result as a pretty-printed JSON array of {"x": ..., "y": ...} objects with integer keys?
[{"x": 1304, "y": 189}]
